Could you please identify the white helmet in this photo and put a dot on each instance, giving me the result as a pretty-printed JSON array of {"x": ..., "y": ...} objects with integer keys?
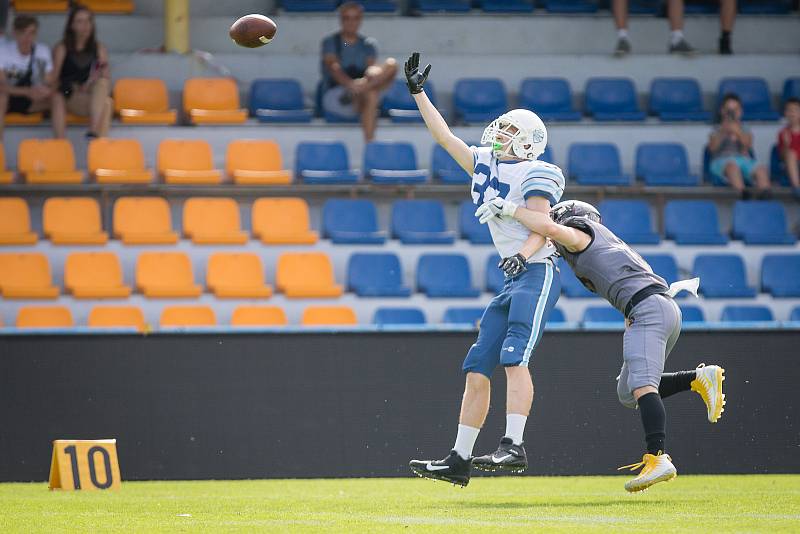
[{"x": 520, "y": 133}]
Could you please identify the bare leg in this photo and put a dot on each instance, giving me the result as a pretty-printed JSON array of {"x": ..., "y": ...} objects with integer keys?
[
  {"x": 475, "y": 404},
  {"x": 675, "y": 14},
  {"x": 519, "y": 391},
  {"x": 727, "y": 14},
  {"x": 762, "y": 178},
  {"x": 58, "y": 115},
  {"x": 99, "y": 107},
  {"x": 368, "y": 108},
  {"x": 792, "y": 168},
  {"x": 733, "y": 174},
  {"x": 620, "y": 10}
]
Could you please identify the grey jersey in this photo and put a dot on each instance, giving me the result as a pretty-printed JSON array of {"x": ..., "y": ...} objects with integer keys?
[{"x": 608, "y": 266}]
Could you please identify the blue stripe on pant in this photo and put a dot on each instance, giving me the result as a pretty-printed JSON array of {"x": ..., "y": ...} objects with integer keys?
[{"x": 512, "y": 325}]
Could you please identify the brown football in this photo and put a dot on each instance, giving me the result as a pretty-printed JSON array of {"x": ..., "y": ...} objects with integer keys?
[{"x": 252, "y": 31}]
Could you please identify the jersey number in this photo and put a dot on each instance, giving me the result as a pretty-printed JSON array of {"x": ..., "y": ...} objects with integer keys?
[{"x": 491, "y": 182}]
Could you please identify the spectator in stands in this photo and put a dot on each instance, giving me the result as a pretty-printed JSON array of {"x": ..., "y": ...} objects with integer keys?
[
  {"x": 677, "y": 42},
  {"x": 81, "y": 66},
  {"x": 352, "y": 78},
  {"x": 789, "y": 144},
  {"x": 730, "y": 146}
]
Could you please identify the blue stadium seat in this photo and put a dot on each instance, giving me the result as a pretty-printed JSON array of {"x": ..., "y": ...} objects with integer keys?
[
  {"x": 780, "y": 275},
  {"x": 376, "y": 275},
  {"x": 701, "y": 7},
  {"x": 467, "y": 315},
  {"x": 445, "y": 276},
  {"x": 692, "y": 314},
  {"x": 612, "y": 99},
  {"x": 445, "y": 168},
  {"x": 507, "y": 6},
  {"x": 432, "y": 6},
  {"x": 722, "y": 276},
  {"x": 692, "y": 222},
  {"x": 760, "y": 223},
  {"x": 550, "y": 98},
  {"x": 392, "y": 162},
  {"x": 417, "y": 222},
  {"x": 399, "y": 105},
  {"x": 547, "y": 155},
  {"x": 644, "y": 7},
  {"x": 379, "y": 6},
  {"x": 677, "y": 99},
  {"x": 570, "y": 285},
  {"x": 323, "y": 162},
  {"x": 791, "y": 88},
  {"x": 746, "y": 314},
  {"x": 571, "y": 6},
  {"x": 754, "y": 93},
  {"x": 664, "y": 265},
  {"x": 495, "y": 279},
  {"x": 305, "y": 6},
  {"x": 278, "y": 100},
  {"x": 664, "y": 164},
  {"x": 795, "y": 315},
  {"x": 351, "y": 221},
  {"x": 556, "y": 316},
  {"x": 777, "y": 169},
  {"x": 630, "y": 220},
  {"x": 602, "y": 314},
  {"x": 397, "y": 316},
  {"x": 764, "y": 7},
  {"x": 470, "y": 228},
  {"x": 596, "y": 164},
  {"x": 479, "y": 99}
]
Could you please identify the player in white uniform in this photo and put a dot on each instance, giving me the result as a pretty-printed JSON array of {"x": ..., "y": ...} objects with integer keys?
[{"x": 512, "y": 325}]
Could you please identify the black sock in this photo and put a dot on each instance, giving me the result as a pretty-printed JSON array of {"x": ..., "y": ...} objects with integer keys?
[
  {"x": 726, "y": 35},
  {"x": 672, "y": 383},
  {"x": 654, "y": 421}
]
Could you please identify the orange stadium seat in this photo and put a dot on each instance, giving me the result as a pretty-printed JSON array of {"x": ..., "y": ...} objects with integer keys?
[
  {"x": 188, "y": 316},
  {"x": 110, "y": 6},
  {"x": 213, "y": 221},
  {"x": 143, "y": 101},
  {"x": 237, "y": 275},
  {"x": 23, "y": 119},
  {"x": 306, "y": 275},
  {"x": 6, "y": 177},
  {"x": 187, "y": 161},
  {"x": 118, "y": 161},
  {"x": 73, "y": 221},
  {"x": 256, "y": 162},
  {"x": 213, "y": 101},
  {"x": 143, "y": 221},
  {"x": 282, "y": 221},
  {"x": 48, "y": 161},
  {"x": 15, "y": 222},
  {"x": 258, "y": 316},
  {"x": 44, "y": 317},
  {"x": 26, "y": 276},
  {"x": 166, "y": 274},
  {"x": 116, "y": 316},
  {"x": 41, "y": 6},
  {"x": 94, "y": 275},
  {"x": 328, "y": 316}
]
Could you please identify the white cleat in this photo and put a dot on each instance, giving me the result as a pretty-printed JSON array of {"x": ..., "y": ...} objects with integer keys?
[
  {"x": 708, "y": 384},
  {"x": 655, "y": 469}
]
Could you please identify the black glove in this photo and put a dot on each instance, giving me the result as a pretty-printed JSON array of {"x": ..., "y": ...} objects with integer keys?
[
  {"x": 514, "y": 265},
  {"x": 414, "y": 78}
]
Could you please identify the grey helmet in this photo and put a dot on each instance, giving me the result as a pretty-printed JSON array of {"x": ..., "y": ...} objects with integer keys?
[{"x": 568, "y": 210}]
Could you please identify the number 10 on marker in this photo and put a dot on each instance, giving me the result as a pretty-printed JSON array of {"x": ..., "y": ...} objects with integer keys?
[{"x": 84, "y": 465}]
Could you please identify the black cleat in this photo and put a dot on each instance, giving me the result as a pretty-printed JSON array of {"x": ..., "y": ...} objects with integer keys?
[
  {"x": 453, "y": 469},
  {"x": 508, "y": 458}
]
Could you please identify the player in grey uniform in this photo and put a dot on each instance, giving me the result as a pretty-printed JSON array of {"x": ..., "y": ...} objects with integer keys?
[{"x": 607, "y": 266}]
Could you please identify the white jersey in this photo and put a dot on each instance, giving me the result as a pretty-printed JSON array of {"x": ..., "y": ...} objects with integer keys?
[
  {"x": 15, "y": 65},
  {"x": 515, "y": 181}
]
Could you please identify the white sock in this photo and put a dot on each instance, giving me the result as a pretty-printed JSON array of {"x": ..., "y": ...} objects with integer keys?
[
  {"x": 622, "y": 33},
  {"x": 465, "y": 440},
  {"x": 675, "y": 36},
  {"x": 515, "y": 427}
]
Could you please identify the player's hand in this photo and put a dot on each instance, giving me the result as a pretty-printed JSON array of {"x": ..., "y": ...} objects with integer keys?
[
  {"x": 513, "y": 265},
  {"x": 497, "y": 207},
  {"x": 414, "y": 77}
]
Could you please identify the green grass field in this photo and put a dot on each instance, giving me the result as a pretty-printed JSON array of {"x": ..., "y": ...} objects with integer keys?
[{"x": 540, "y": 504}]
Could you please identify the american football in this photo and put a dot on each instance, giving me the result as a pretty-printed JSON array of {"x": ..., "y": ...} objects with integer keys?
[{"x": 253, "y": 31}]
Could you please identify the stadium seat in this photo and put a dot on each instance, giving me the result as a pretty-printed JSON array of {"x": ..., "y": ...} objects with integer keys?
[
  {"x": 479, "y": 100},
  {"x": 212, "y": 101},
  {"x": 213, "y": 221},
  {"x": 26, "y": 276},
  {"x": 282, "y": 221},
  {"x": 392, "y": 162},
  {"x": 692, "y": 314},
  {"x": 166, "y": 275},
  {"x": 187, "y": 161},
  {"x": 351, "y": 222},
  {"x": 692, "y": 222},
  {"x": 432, "y": 6},
  {"x": 44, "y": 317},
  {"x": 746, "y": 314},
  {"x": 445, "y": 276},
  {"x": 445, "y": 168},
  {"x": 124, "y": 7},
  {"x": 94, "y": 275},
  {"x": 777, "y": 169},
  {"x": 143, "y": 221},
  {"x": 780, "y": 275},
  {"x": 556, "y": 316},
  {"x": 47, "y": 161},
  {"x": 612, "y": 99},
  {"x": 470, "y": 228},
  {"x": 398, "y": 316},
  {"x": 602, "y": 314},
  {"x": 306, "y": 275},
  {"x": 764, "y": 7},
  {"x": 118, "y": 161},
  {"x": 306, "y": 6},
  {"x": 755, "y": 97},
  {"x": 329, "y": 316},
  {"x": 761, "y": 223},
  {"x": 187, "y": 316},
  {"x": 795, "y": 315},
  {"x": 116, "y": 317},
  {"x": 258, "y": 316},
  {"x": 660, "y": 164},
  {"x": 73, "y": 221},
  {"x": 379, "y": 6},
  {"x": 466, "y": 316},
  {"x": 596, "y": 164},
  {"x": 507, "y": 6},
  {"x": 664, "y": 265},
  {"x": 399, "y": 105},
  {"x": 677, "y": 99},
  {"x": 570, "y": 285},
  {"x": 236, "y": 276},
  {"x": 278, "y": 100},
  {"x": 495, "y": 278},
  {"x": 15, "y": 224},
  {"x": 256, "y": 162},
  {"x": 550, "y": 98},
  {"x": 571, "y": 6},
  {"x": 323, "y": 162},
  {"x": 791, "y": 88},
  {"x": 416, "y": 222},
  {"x": 6, "y": 177},
  {"x": 23, "y": 119},
  {"x": 722, "y": 276},
  {"x": 630, "y": 221},
  {"x": 143, "y": 101},
  {"x": 376, "y": 275},
  {"x": 41, "y": 6},
  {"x": 547, "y": 155}
]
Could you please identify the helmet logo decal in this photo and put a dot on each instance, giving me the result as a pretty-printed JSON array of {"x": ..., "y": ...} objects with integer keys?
[{"x": 538, "y": 135}]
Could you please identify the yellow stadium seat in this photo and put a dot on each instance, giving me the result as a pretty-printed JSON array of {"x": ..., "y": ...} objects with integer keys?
[
  {"x": 185, "y": 161},
  {"x": 143, "y": 221},
  {"x": 236, "y": 276},
  {"x": 23, "y": 119},
  {"x": 143, "y": 101},
  {"x": 44, "y": 317},
  {"x": 48, "y": 161},
  {"x": 188, "y": 316},
  {"x": 77, "y": 120},
  {"x": 166, "y": 274},
  {"x": 15, "y": 222},
  {"x": 6, "y": 177},
  {"x": 73, "y": 221},
  {"x": 116, "y": 317},
  {"x": 328, "y": 316},
  {"x": 213, "y": 101},
  {"x": 256, "y": 162},
  {"x": 41, "y": 6},
  {"x": 306, "y": 275},
  {"x": 110, "y": 6},
  {"x": 26, "y": 276},
  {"x": 213, "y": 221},
  {"x": 94, "y": 275},
  {"x": 118, "y": 161},
  {"x": 258, "y": 316},
  {"x": 282, "y": 221}
]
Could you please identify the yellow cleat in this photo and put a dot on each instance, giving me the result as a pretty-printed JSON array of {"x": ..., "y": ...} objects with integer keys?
[
  {"x": 708, "y": 384},
  {"x": 655, "y": 469}
]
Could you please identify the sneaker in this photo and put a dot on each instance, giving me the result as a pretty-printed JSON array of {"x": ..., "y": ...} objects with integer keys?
[
  {"x": 508, "y": 458},
  {"x": 655, "y": 469},
  {"x": 453, "y": 469},
  {"x": 623, "y": 47},
  {"x": 708, "y": 384},
  {"x": 682, "y": 47}
]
